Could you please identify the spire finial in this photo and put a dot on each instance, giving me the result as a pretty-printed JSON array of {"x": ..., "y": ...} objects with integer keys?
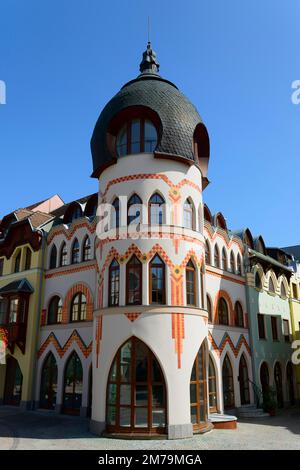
[{"x": 149, "y": 62}]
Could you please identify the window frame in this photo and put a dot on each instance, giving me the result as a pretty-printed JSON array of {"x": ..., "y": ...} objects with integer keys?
[
  {"x": 190, "y": 267},
  {"x": 261, "y": 326},
  {"x": 112, "y": 269},
  {"x": 80, "y": 295},
  {"x": 139, "y": 268},
  {"x": 163, "y": 277}
]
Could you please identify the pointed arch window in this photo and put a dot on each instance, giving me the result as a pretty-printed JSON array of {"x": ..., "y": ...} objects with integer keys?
[
  {"x": 271, "y": 285},
  {"x": 134, "y": 281},
  {"x": 157, "y": 293},
  {"x": 244, "y": 381},
  {"x": 53, "y": 257},
  {"x": 73, "y": 385},
  {"x": 209, "y": 308},
  {"x": 239, "y": 265},
  {"x": 198, "y": 390},
  {"x": 239, "y": 315},
  {"x": 48, "y": 391},
  {"x": 116, "y": 213},
  {"x": 134, "y": 210},
  {"x": 190, "y": 276},
  {"x": 55, "y": 310},
  {"x": 258, "y": 283},
  {"x": 87, "y": 249},
  {"x": 28, "y": 256},
  {"x": 63, "y": 258},
  {"x": 232, "y": 263},
  {"x": 75, "y": 252},
  {"x": 282, "y": 290},
  {"x": 217, "y": 257},
  {"x": 156, "y": 209},
  {"x": 114, "y": 283},
  {"x": 188, "y": 214},
  {"x": 17, "y": 266},
  {"x": 223, "y": 315},
  {"x": 78, "y": 307},
  {"x": 207, "y": 253},
  {"x": 212, "y": 387},
  {"x": 224, "y": 260},
  {"x": 228, "y": 386}
]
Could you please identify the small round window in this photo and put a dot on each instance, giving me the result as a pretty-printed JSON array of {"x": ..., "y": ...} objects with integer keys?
[{"x": 136, "y": 136}]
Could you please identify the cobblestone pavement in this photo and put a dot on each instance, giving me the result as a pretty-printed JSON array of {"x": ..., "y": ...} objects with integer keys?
[{"x": 45, "y": 430}]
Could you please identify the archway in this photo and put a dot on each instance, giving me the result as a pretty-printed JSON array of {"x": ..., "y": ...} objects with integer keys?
[
  {"x": 13, "y": 382},
  {"x": 244, "y": 381},
  {"x": 264, "y": 378},
  {"x": 136, "y": 391},
  {"x": 278, "y": 384},
  {"x": 290, "y": 383},
  {"x": 198, "y": 390},
  {"x": 228, "y": 386},
  {"x": 48, "y": 383},
  {"x": 73, "y": 381}
]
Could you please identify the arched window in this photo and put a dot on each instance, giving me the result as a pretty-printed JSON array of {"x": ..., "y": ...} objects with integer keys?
[
  {"x": 28, "y": 258},
  {"x": 282, "y": 290},
  {"x": 87, "y": 249},
  {"x": 156, "y": 210},
  {"x": 207, "y": 253},
  {"x": 212, "y": 387},
  {"x": 223, "y": 312},
  {"x": 136, "y": 392},
  {"x": 76, "y": 213},
  {"x": 190, "y": 280},
  {"x": 198, "y": 390},
  {"x": 209, "y": 308},
  {"x": 244, "y": 381},
  {"x": 239, "y": 315},
  {"x": 55, "y": 310},
  {"x": 53, "y": 257},
  {"x": 258, "y": 283},
  {"x": 13, "y": 382},
  {"x": 75, "y": 252},
  {"x": 264, "y": 378},
  {"x": 232, "y": 263},
  {"x": 228, "y": 387},
  {"x": 217, "y": 257},
  {"x": 224, "y": 260},
  {"x": 115, "y": 213},
  {"x": 136, "y": 136},
  {"x": 188, "y": 214},
  {"x": 114, "y": 283},
  {"x": 278, "y": 384},
  {"x": 271, "y": 285},
  {"x": 134, "y": 281},
  {"x": 134, "y": 210},
  {"x": 63, "y": 257},
  {"x": 91, "y": 206},
  {"x": 78, "y": 307},
  {"x": 157, "y": 293},
  {"x": 48, "y": 389},
  {"x": 239, "y": 265},
  {"x": 73, "y": 385},
  {"x": 17, "y": 266}
]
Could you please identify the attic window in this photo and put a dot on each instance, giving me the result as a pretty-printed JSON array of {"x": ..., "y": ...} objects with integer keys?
[{"x": 136, "y": 136}]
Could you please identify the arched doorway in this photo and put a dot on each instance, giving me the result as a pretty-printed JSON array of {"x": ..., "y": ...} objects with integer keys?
[
  {"x": 49, "y": 383},
  {"x": 264, "y": 378},
  {"x": 278, "y": 384},
  {"x": 212, "y": 387},
  {"x": 13, "y": 382},
  {"x": 73, "y": 381},
  {"x": 244, "y": 381},
  {"x": 290, "y": 383},
  {"x": 228, "y": 386},
  {"x": 136, "y": 391},
  {"x": 198, "y": 390}
]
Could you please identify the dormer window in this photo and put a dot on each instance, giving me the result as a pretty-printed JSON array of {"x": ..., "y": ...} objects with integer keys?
[{"x": 136, "y": 136}]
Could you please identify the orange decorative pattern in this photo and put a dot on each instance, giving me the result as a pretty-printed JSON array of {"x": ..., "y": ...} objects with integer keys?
[
  {"x": 132, "y": 316},
  {"x": 61, "y": 350},
  {"x": 227, "y": 340},
  {"x": 80, "y": 287},
  {"x": 226, "y": 296},
  {"x": 69, "y": 232},
  {"x": 71, "y": 270},
  {"x": 213, "y": 234},
  {"x": 178, "y": 335},
  {"x": 98, "y": 338}
]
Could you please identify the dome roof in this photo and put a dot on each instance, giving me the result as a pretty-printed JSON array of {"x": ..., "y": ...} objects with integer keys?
[{"x": 177, "y": 116}]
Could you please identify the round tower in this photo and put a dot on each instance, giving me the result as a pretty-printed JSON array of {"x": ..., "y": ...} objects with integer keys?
[{"x": 150, "y": 153}]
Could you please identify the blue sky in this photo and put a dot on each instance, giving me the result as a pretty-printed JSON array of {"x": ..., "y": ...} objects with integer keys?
[{"x": 62, "y": 60}]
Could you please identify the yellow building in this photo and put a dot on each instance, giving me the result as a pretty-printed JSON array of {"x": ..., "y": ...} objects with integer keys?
[{"x": 22, "y": 262}]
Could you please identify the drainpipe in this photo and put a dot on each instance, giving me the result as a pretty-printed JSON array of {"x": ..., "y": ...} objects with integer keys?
[{"x": 38, "y": 318}]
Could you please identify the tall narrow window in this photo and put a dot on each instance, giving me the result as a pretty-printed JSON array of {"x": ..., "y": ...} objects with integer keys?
[
  {"x": 286, "y": 331},
  {"x": 223, "y": 312},
  {"x": 198, "y": 390},
  {"x": 239, "y": 265},
  {"x": 282, "y": 290},
  {"x": 207, "y": 253},
  {"x": 114, "y": 283},
  {"x": 87, "y": 249},
  {"x": 190, "y": 274},
  {"x": 134, "y": 281},
  {"x": 228, "y": 387},
  {"x": 75, "y": 252},
  {"x": 53, "y": 257},
  {"x": 63, "y": 258},
  {"x": 78, "y": 307},
  {"x": 224, "y": 260},
  {"x": 17, "y": 262},
  {"x": 48, "y": 389},
  {"x": 157, "y": 280},
  {"x": 258, "y": 283},
  {"x": 55, "y": 310},
  {"x": 115, "y": 213},
  {"x": 261, "y": 326},
  {"x": 209, "y": 308},
  {"x": 232, "y": 263},
  {"x": 28, "y": 259},
  {"x": 188, "y": 214},
  {"x": 156, "y": 210},
  {"x": 239, "y": 316},
  {"x": 217, "y": 257},
  {"x": 73, "y": 385},
  {"x": 212, "y": 387},
  {"x": 244, "y": 381},
  {"x": 3, "y": 311},
  {"x": 274, "y": 328},
  {"x": 134, "y": 210},
  {"x": 271, "y": 285}
]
